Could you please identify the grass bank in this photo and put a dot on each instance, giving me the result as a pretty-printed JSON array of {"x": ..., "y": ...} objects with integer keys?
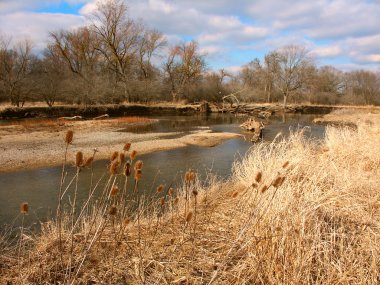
[{"x": 294, "y": 212}]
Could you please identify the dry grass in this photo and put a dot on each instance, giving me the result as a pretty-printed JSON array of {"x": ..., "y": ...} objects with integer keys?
[
  {"x": 321, "y": 225},
  {"x": 350, "y": 116}
]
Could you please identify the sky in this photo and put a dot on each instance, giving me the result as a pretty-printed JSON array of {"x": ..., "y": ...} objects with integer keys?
[{"x": 341, "y": 33}]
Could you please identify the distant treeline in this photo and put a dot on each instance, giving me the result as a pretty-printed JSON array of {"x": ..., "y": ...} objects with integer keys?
[{"x": 116, "y": 59}]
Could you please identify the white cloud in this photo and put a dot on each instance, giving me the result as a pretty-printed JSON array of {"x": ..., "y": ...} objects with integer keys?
[
  {"x": 355, "y": 66},
  {"x": 326, "y": 51},
  {"x": 161, "y": 6},
  {"x": 219, "y": 22},
  {"x": 207, "y": 38},
  {"x": 88, "y": 8},
  {"x": 36, "y": 26},
  {"x": 212, "y": 50}
]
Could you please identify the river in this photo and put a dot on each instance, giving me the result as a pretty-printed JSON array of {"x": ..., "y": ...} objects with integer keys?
[{"x": 39, "y": 187}]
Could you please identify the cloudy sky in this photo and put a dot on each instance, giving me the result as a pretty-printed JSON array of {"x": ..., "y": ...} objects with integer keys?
[{"x": 343, "y": 33}]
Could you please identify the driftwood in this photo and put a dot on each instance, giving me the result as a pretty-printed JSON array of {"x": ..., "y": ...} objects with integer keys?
[
  {"x": 71, "y": 118},
  {"x": 253, "y": 126},
  {"x": 231, "y": 97},
  {"x": 265, "y": 114},
  {"x": 105, "y": 116}
]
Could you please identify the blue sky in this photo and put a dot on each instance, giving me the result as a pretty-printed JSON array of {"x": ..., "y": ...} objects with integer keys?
[{"x": 343, "y": 33}]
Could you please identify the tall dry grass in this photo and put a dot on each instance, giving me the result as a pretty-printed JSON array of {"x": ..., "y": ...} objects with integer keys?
[{"x": 294, "y": 212}]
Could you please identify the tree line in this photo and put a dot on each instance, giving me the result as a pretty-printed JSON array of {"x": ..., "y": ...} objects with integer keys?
[{"x": 116, "y": 59}]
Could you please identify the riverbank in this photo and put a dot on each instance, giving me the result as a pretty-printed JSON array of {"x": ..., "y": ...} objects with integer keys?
[
  {"x": 351, "y": 117},
  {"x": 41, "y": 144},
  {"x": 162, "y": 108},
  {"x": 294, "y": 212}
]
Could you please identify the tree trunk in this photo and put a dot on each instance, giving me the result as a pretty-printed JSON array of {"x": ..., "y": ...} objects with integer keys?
[
  {"x": 174, "y": 96},
  {"x": 269, "y": 93},
  {"x": 285, "y": 100},
  {"x": 126, "y": 93}
]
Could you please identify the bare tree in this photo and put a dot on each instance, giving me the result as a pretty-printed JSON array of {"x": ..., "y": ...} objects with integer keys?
[
  {"x": 365, "y": 84},
  {"x": 150, "y": 43},
  {"x": 15, "y": 68},
  {"x": 326, "y": 86},
  {"x": 50, "y": 73},
  {"x": 270, "y": 71},
  {"x": 251, "y": 74},
  {"x": 119, "y": 38},
  {"x": 79, "y": 49},
  {"x": 183, "y": 66},
  {"x": 293, "y": 70}
]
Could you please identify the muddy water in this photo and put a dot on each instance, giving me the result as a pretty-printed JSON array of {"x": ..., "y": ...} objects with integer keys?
[{"x": 39, "y": 187}]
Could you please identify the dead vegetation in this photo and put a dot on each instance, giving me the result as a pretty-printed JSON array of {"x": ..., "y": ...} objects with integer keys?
[{"x": 294, "y": 212}]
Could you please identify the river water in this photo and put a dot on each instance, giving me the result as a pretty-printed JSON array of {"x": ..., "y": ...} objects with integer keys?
[{"x": 39, "y": 187}]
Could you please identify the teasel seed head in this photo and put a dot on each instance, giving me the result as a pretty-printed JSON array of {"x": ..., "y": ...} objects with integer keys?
[
  {"x": 114, "y": 168},
  {"x": 189, "y": 216},
  {"x": 126, "y": 221},
  {"x": 160, "y": 188},
  {"x": 254, "y": 185},
  {"x": 234, "y": 195},
  {"x": 258, "y": 177},
  {"x": 69, "y": 137},
  {"x": 114, "y": 190},
  {"x": 190, "y": 176},
  {"x": 121, "y": 157},
  {"x": 286, "y": 164},
  {"x": 176, "y": 200},
  {"x": 195, "y": 192},
  {"x": 79, "y": 159},
  {"x": 127, "y": 146},
  {"x": 162, "y": 201},
  {"x": 138, "y": 174},
  {"x": 263, "y": 188},
  {"x": 127, "y": 169},
  {"x": 138, "y": 165},
  {"x": 114, "y": 155},
  {"x": 89, "y": 161},
  {"x": 171, "y": 191},
  {"x": 133, "y": 154},
  {"x": 24, "y": 208},
  {"x": 277, "y": 182},
  {"x": 113, "y": 210}
]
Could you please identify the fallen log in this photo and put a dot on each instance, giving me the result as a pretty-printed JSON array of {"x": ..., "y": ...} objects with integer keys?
[
  {"x": 265, "y": 114},
  {"x": 105, "y": 116},
  {"x": 253, "y": 126},
  {"x": 71, "y": 118}
]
